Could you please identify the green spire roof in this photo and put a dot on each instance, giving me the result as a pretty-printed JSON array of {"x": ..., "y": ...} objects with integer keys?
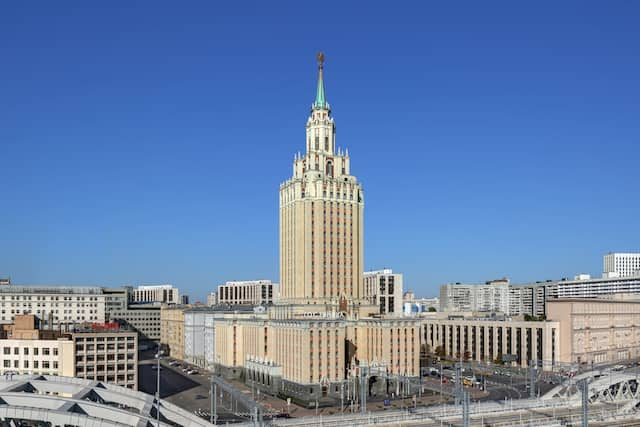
[{"x": 321, "y": 101}]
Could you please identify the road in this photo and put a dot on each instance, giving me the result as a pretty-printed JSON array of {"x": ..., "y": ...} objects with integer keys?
[{"x": 190, "y": 392}]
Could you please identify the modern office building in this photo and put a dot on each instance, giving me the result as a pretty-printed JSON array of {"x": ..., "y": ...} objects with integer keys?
[
  {"x": 383, "y": 288},
  {"x": 141, "y": 317},
  {"x": 617, "y": 264},
  {"x": 597, "y": 330},
  {"x": 58, "y": 307},
  {"x": 249, "y": 292},
  {"x": 492, "y": 296},
  {"x": 166, "y": 294},
  {"x": 107, "y": 353}
]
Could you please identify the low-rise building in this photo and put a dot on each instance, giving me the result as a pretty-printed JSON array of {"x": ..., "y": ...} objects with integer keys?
[
  {"x": 486, "y": 339},
  {"x": 418, "y": 306},
  {"x": 28, "y": 350},
  {"x": 597, "y": 330}
]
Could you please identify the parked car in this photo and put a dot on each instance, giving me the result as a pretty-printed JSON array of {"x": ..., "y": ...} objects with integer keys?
[{"x": 192, "y": 372}]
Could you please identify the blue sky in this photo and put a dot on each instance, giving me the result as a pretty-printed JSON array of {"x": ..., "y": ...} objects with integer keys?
[{"x": 144, "y": 142}]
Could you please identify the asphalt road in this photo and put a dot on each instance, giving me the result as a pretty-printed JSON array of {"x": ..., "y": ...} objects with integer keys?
[{"x": 190, "y": 392}]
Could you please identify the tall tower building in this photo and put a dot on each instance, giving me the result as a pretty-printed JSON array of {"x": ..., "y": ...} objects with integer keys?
[{"x": 321, "y": 218}]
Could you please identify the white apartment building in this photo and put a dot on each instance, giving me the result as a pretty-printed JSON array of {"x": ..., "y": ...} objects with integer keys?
[
  {"x": 493, "y": 296},
  {"x": 59, "y": 307},
  {"x": 618, "y": 264},
  {"x": 156, "y": 293},
  {"x": 383, "y": 288},
  {"x": 194, "y": 336},
  {"x": 248, "y": 292}
]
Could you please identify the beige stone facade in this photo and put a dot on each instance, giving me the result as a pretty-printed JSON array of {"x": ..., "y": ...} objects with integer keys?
[
  {"x": 321, "y": 219},
  {"x": 172, "y": 330},
  {"x": 37, "y": 356},
  {"x": 597, "y": 330},
  {"x": 323, "y": 329},
  {"x": 494, "y": 340}
]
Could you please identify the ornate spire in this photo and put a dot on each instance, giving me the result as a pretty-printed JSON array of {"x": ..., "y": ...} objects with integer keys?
[{"x": 321, "y": 102}]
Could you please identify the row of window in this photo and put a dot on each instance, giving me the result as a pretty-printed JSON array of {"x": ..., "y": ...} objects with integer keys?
[
  {"x": 45, "y": 364},
  {"x": 46, "y": 351}
]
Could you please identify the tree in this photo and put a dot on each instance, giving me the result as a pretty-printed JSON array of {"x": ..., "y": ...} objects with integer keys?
[
  {"x": 498, "y": 360},
  {"x": 432, "y": 310}
]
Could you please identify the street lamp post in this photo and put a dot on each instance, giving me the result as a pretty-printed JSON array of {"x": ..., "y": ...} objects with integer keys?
[
  {"x": 214, "y": 404},
  {"x": 158, "y": 356}
]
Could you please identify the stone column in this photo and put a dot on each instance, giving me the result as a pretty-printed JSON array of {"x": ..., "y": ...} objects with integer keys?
[
  {"x": 463, "y": 338},
  {"x": 445, "y": 343},
  {"x": 477, "y": 330},
  {"x": 534, "y": 345},
  {"x": 486, "y": 342},
  {"x": 523, "y": 344},
  {"x": 454, "y": 340}
]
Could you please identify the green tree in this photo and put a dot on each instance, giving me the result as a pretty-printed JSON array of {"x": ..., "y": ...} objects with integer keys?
[{"x": 432, "y": 310}]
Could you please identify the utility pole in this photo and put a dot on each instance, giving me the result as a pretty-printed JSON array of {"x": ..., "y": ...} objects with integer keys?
[
  {"x": 532, "y": 378},
  {"x": 584, "y": 388},
  {"x": 465, "y": 408},
  {"x": 458, "y": 388}
]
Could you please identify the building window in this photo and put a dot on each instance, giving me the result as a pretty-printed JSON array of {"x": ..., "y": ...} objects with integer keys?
[{"x": 329, "y": 169}]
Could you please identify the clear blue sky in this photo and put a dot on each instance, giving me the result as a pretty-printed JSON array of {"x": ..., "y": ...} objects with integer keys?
[{"x": 144, "y": 142}]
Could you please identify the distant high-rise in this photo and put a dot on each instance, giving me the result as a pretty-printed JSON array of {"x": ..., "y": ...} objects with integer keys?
[
  {"x": 617, "y": 264},
  {"x": 321, "y": 217}
]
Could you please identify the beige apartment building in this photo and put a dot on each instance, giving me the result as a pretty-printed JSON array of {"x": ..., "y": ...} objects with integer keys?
[
  {"x": 172, "y": 330},
  {"x": 27, "y": 350},
  {"x": 99, "y": 352},
  {"x": 602, "y": 330}
]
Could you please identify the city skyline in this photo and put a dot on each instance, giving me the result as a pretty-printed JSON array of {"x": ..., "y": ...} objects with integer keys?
[{"x": 470, "y": 174}]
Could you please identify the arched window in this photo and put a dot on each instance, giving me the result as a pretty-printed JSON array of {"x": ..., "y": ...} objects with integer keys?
[{"x": 329, "y": 170}]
